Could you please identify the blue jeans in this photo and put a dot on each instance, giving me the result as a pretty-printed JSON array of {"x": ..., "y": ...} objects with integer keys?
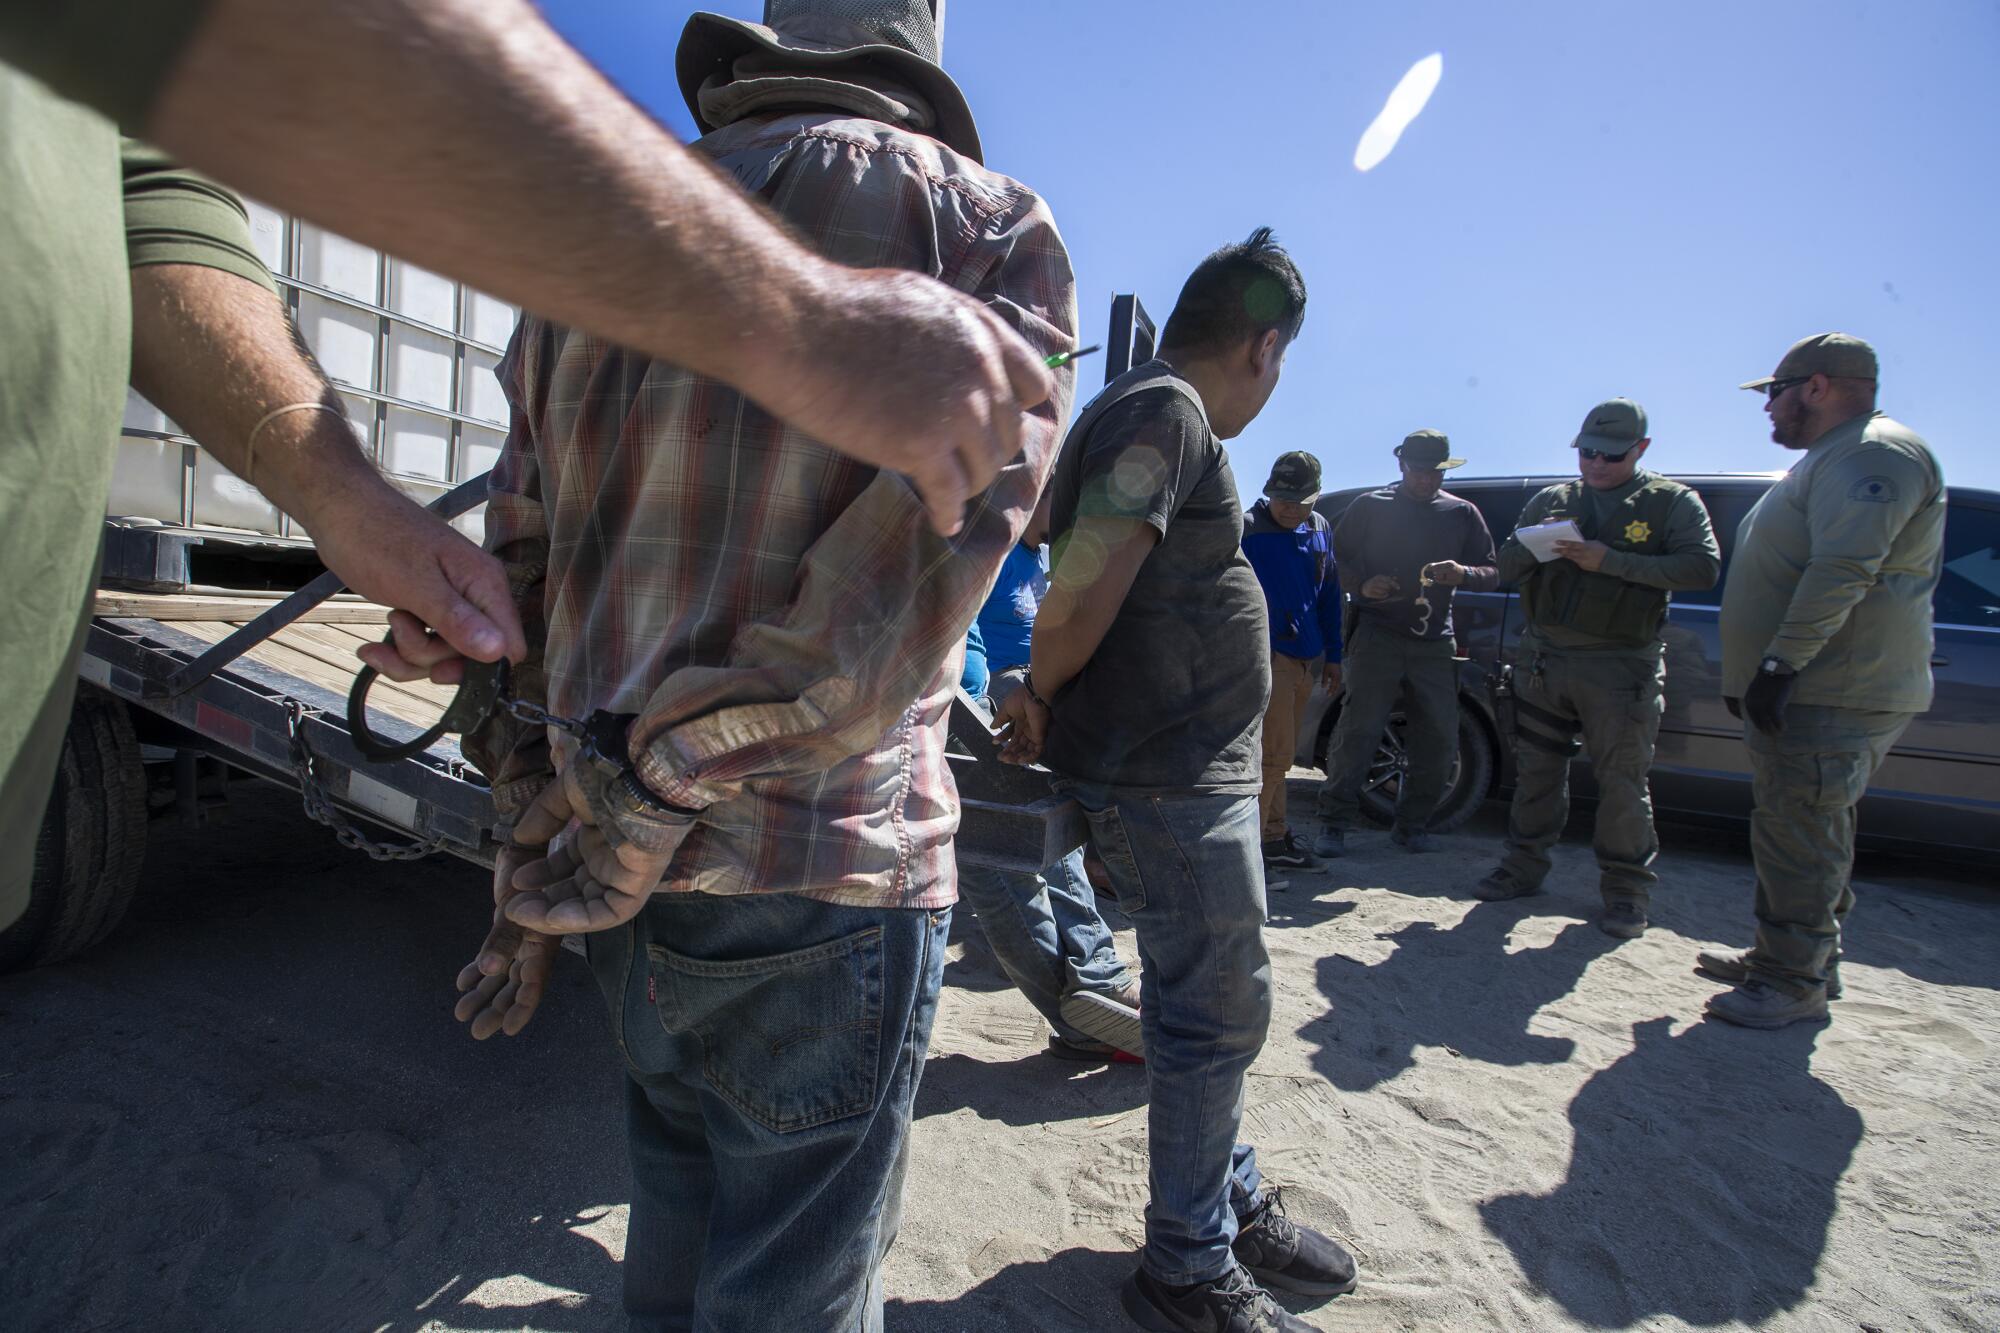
[
  {"x": 1189, "y": 871},
  {"x": 772, "y": 1048},
  {"x": 1047, "y": 933}
]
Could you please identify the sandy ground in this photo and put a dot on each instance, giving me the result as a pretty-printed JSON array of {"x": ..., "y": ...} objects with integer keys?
[{"x": 251, "y": 1110}]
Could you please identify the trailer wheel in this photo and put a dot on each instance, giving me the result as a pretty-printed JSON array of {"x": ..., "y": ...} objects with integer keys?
[{"x": 92, "y": 842}]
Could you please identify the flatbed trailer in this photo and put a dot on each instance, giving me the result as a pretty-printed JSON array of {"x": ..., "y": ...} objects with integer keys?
[{"x": 179, "y": 688}]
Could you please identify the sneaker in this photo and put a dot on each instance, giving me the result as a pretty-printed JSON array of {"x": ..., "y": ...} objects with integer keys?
[
  {"x": 1413, "y": 840},
  {"x": 1282, "y": 1254},
  {"x": 1091, "y": 1052},
  {"x": 1288, "y": 853},
  {"x": 1758, "y": 1004},
  {"x": 1733, "y": 966},
  {"x": 1625, "y": 921},
  {"x": 1232, "y": 1303},
  {"x": 1106, "y": 1018},
  {"x": 1330, "y": 842},
  {"x": 1502, "y": 884}
]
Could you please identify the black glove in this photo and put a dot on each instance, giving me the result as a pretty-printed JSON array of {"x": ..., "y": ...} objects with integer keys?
[
  {"x": 1735, "y": 707},
  {"x": 1764, "y": 702}
]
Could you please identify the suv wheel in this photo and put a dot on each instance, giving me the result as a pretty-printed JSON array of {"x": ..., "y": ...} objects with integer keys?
[{"x": 1469, "y": 782}]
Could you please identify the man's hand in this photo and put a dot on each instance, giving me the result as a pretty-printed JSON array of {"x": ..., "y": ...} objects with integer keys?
[
  {"x": 500, "y": 989},
  {"x": 452, "y": 597},
  {"x": 1381, "y": 587},
  {"x": 1585, "y": 555},
  {"x": 1448, "y": 572},
  {"x": 1330, "y": 675},
  {"x": 1764, "y": 702},
  {"x": 1020, "y": 725},
  {"x": 587, "y": 883},
  {"x": 903, "y": 372},
  {"x": 1735, "y": 707}
]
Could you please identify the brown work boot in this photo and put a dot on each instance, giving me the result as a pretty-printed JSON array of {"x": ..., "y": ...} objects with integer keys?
[
  {"x": 1733, "y": 966},
  {"x": 1759, "y": 1004}
]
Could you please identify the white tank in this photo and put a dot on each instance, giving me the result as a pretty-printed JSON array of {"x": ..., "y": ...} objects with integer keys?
[{"x": 411, "y": 353}]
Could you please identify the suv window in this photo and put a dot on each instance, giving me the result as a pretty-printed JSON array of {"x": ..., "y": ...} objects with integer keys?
[
  {"x": 1728, "y": 504},
  {"x": 1968, "y": 593}
]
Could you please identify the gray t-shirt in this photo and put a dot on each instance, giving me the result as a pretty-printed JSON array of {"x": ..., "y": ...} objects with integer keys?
[{"x": 1173, "y": 698}]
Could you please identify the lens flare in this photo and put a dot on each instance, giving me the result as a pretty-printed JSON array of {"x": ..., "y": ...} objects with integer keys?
[{"x": 1406, "y": 102}]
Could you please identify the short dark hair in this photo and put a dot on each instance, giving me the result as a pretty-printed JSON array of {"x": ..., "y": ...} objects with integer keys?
[{"x": 1241, "y": 291}]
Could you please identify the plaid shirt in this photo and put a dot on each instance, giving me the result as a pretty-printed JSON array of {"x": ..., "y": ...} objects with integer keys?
[{"x": 782, "y": 619}]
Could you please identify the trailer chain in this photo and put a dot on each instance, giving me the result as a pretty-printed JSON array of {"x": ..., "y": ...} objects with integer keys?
[{"x": 320, "y": 808}]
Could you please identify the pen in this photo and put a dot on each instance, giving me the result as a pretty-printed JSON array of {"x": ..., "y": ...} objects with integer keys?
[{"x": 1061, "y": 359}]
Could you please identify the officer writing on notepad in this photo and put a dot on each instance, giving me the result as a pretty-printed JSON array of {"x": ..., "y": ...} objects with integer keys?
[{"x": 1591, "y": 661}]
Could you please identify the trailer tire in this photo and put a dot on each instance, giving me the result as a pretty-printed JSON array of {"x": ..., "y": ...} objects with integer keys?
[{"x": 92, "y": 843}]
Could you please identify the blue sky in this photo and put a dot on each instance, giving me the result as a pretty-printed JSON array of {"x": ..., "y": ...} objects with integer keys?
[{"x": 1601, "y": 198}]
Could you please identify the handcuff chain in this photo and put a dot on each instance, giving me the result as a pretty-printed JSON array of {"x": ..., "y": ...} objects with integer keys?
[{"x": 537, "y": 716}]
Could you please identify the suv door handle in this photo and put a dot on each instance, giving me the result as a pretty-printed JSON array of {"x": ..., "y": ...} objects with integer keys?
[{"x": 1940, "y": 661}]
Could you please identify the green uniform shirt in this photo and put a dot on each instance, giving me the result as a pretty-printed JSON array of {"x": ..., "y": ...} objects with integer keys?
[
  {"x": 1690, "y": 559},
  {"x": 1834, "y": 571},
  {"x": 74, "y": 217}
]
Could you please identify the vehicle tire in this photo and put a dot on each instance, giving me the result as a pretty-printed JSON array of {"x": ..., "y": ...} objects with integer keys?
[
  {"x": 1470, "y": 780},
  {"x": 92, "y": 842}
]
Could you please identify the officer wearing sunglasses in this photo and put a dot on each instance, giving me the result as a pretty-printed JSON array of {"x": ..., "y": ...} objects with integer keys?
[
  {"x": 1591, "y": 662},
  {"x": 1826, "y": 655}
]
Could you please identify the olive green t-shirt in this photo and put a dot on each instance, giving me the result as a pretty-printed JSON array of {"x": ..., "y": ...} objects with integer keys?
[{"x": 78, "y": 209}]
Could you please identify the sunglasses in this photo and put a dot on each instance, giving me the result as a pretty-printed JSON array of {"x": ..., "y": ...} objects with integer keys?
[
  {"x": 1601, "y": 456},
  {"x": 1776, "y": 387}
]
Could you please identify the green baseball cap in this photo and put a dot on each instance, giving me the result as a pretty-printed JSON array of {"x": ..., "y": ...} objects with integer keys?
[
  {"x": 1612, "y": 427},
  {"x": 1294, "y": 477},
  {"x": 1840, "y": 356},
  {"x": 1428, "y": 449}
]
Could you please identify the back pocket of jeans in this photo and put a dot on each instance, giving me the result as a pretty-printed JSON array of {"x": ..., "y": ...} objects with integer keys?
[
  {"x": 793, "y": 1041},
  {"x": 1107, "y": 835}
]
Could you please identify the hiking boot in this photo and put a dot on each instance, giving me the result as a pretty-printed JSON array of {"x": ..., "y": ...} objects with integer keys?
[
  {"x": 1502, "y": 884},
  {"x": 1232, "y": 1303},
  {"x": 1330, "y": 842},
  {"x": 1284, "y": 1255},
  {"x": 1625, "y": 921},
  {"x": 1288, "y": 853},
  {"x": 1758, "y": 1004},
  {"x": 1733, "y": 966},
  {"x": 1413, "y": 840},
  {"x": 1105, "y": 1018}
]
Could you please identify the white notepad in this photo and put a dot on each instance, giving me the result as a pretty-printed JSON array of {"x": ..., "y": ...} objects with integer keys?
[{"x": 1542, "y": 538}]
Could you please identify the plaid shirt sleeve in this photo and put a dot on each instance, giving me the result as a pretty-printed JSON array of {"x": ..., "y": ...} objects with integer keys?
[
  {"x": 880, "y": 601},
  {"x": 514, "y": 754}
]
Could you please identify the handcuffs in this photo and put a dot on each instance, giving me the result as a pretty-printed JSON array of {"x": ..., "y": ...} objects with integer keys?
[{"x": 485, "y": 689}]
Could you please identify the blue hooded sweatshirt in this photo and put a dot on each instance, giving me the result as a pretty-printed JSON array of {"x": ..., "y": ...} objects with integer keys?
[{"x": 1301, "y": 588}]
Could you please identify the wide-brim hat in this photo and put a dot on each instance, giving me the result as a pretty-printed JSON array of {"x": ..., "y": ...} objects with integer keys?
[{"x": 900, "y": 37}]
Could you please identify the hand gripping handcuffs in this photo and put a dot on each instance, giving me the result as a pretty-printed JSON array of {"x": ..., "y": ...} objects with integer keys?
[{"x": 486, "y": 689}]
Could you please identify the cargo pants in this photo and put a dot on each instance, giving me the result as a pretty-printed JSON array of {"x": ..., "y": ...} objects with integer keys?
[
  {"x": 1614, "y": 702},
  {"x": 1291, "y": 688},
  {"x": 1377, "y": 665},
  {"x": 1807, "y": 780}
]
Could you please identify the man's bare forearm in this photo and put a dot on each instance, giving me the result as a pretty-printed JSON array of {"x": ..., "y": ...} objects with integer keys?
[
  {"x": 467, "y": 136},
  {"x": 1089, "y": 584},
  {"x": 215, "y": 352}
]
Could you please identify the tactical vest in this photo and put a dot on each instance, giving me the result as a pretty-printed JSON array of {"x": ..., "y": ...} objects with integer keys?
[{"x": 1597, "y": 604}]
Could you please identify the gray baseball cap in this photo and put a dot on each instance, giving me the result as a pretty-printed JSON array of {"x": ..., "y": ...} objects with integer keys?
[
  {"x": 1612, "y": 427},
  {"x": 1835, "y": 355}
]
